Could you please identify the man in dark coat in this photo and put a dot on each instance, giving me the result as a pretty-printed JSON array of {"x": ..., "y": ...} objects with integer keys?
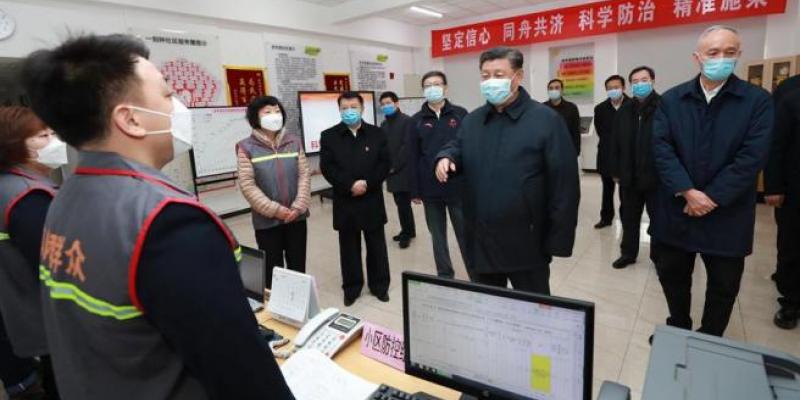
[
  {"x": 354, "y": 158},
  {"x": 604, "y": 125},
  {"x": 711, "y": 136},
  {"x": 395, "y": 126},
  {"x": 567, "y": 110},
  {"x": 432, "y": 127},
  {"x": 520, "y": 172},
  {"x": 632, "y": 162},
  {"x": 782, "y": 191}
]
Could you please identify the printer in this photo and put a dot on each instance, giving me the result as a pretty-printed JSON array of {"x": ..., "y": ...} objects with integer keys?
[{"x": 687, "y": 365}]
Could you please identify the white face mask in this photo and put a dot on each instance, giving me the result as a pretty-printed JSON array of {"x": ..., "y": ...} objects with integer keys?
[
  {"x": 272, "y": 122},
  {"x": 180, "y": 127},
  {"x": 54, "y": 154}
]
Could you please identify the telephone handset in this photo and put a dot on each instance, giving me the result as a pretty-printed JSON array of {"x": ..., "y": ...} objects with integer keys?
[{"x": 328, "y": 332}]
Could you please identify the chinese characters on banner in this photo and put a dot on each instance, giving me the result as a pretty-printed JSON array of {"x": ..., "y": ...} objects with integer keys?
[
  {"x": 244, "y": 85},
  {"x": 598, "y": 18}
]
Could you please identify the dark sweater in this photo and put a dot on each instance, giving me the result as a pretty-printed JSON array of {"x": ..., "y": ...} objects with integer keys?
[{"x": 569, "y": 111}]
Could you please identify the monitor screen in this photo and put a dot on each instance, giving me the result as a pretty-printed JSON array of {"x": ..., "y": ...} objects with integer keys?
[
  {"x": 497, "y": 343},
  {"x": 320, "y": 111},
  {"x": 251, "y": 269}
]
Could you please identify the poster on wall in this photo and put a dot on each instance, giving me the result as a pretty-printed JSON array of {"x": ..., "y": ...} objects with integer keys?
[
  {"x": 574, "y": 65},
  {"x": 190, "y": 62},
  {"x": 369, "y": 70},
  {"x": 337, "y": 82},
  {"x": 244, "y": 84},
  {"x": 293, "y": 68}
]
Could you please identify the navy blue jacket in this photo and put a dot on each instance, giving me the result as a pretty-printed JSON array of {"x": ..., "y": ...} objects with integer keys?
[
  {"x": 782, "y": 174},
  {"x": 717, "y": 148},
  {"x": 521, "y": 186},
  {"x": 427, "y": 135}
]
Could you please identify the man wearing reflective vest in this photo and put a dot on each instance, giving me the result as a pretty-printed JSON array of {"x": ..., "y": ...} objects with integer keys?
[{"x": 142, "y": 297}]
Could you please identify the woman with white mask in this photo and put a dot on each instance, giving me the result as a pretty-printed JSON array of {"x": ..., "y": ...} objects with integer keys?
[
  {"x": 274, "y": 178},
  {"x": 28, "y": 152}
]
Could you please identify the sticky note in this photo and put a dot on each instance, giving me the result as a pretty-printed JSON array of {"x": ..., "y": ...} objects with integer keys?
[{"x": 540, "y": 373}]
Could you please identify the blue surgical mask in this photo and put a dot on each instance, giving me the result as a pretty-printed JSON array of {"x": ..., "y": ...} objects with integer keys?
[
  {"x": 554, "y": 94},
  {"x": 388, "y": 109},
  {"x": 642, "y": 89},
  {"x": 433, "y": 94},
  {"x": 496, "y": 91},
  {"x": 614, "y": 94},
  {"x": 718, "y": 69},
  {"x": 351, "y": 116}
]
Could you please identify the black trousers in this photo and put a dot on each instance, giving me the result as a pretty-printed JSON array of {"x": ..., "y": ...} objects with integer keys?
[
  {"x": 285, "y": 246},
  {"x": 377, "y": 262},
  {"x": 787, "y": 276},
  {"x": 607, "y": 209},
  {"x": 632, "y": 204},
  {"x": 13, "y": 369},
  {"x": 675, "y": 267},
  {"x": 405, "y": 213},
  {"x": 536, "y": 280}
]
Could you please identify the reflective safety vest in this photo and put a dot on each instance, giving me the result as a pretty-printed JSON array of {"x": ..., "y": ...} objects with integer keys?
[
  {"x": 20, "y": 295},
  {"x": 276, "y": 173},
  {"x": 102, "y": 346}
]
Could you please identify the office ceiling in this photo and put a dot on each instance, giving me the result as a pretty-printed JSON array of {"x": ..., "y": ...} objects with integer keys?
[{"x": 452, "y": 10}]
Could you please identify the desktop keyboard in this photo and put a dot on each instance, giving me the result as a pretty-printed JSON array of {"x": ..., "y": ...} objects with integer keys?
[{"x": 385, "y": 392}]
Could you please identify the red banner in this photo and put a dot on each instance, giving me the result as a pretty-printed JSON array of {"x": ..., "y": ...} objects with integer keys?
[
  {"x": 244, "y": 85},
  {"x": 593, "y": 19}
]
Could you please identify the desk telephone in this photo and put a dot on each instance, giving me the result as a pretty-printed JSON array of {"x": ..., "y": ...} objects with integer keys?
[{"x": 329, "y": 331}]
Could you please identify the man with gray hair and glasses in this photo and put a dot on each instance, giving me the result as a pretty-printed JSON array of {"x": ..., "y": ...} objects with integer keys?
[{"x": 711, "y": 136}]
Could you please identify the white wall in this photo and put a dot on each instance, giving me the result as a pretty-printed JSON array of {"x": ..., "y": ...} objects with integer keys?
[
  {"x": 669, "y": 50},
  {"x": 783, "y": 32},
  {"x": 43, "y": 23}
]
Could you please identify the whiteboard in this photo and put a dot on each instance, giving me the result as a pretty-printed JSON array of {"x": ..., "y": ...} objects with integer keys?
[
  {"x": 319, "y": 111},
  {"x": 216, "y": 132}
]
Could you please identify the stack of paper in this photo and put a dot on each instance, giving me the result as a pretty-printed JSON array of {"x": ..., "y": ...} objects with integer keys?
[{"x": 313, "y": 376}]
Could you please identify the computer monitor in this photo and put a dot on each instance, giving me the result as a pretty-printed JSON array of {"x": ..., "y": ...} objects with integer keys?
[
  {"x": 496, "y": 343},
  {"x": 252, "y": 269}
]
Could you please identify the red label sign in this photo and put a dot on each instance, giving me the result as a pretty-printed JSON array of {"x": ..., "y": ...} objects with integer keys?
[{"x": 593, "y": 19}]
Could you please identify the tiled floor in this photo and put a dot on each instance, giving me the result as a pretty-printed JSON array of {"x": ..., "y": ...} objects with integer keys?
[{"x": 629, "y": 303}]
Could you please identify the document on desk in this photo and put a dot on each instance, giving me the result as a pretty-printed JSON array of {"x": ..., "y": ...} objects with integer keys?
[{"x": 313, "y": 376}]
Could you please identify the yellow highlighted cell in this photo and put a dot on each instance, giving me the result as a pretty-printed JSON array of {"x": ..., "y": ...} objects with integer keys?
[{"x": 540, "y": 373}]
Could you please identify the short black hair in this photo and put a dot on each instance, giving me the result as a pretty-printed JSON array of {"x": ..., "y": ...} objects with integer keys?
[
  {"x": 642, "y": 68},
  {"x": 257, "y": 104},
  {"x": 74, "y": 87},
  {"x": 556, "y": 80},
  {"x": 391, "y": 95},
  {"x": 350, "y": 95},
  {"x": 615, "y": 78},
  {"x": 431, "y": 74},
  {"x": 514, "y": 56}
]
